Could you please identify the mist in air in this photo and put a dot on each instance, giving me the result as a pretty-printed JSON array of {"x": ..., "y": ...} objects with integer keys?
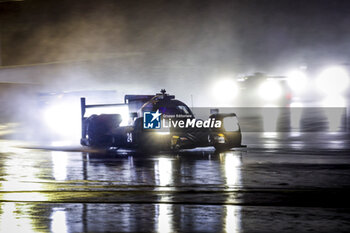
[{"x": 140, "y": 47}]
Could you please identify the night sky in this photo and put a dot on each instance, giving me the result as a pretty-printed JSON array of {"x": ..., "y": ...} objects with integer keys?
[{"x": 225, "y": 36}]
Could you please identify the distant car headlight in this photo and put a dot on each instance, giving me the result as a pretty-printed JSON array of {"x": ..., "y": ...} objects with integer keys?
[
  {"x": 270, "y": 90},
  {"x": 225, "y": 89},
  {"x": 334, "y": 80},
  {"x": 297, "y": 80},
  {"x": 231, "y": 124}
]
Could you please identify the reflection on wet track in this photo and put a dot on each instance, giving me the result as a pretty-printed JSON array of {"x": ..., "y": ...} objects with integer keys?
[{"x": 281, "y": 178}]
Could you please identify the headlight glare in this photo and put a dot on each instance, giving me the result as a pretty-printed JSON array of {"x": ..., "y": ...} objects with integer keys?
[
  {"x": 225, "y": 89},
  {"x": 297, "y": 80},
  {"x": 334, "y": 80},
  {"x": 270, "y": 90}
]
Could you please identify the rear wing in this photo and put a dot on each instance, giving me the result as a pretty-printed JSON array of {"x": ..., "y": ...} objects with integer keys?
[{"x": 134, "y": 102}]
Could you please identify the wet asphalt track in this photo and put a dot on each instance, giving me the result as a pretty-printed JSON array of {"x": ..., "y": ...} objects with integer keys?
[
  {"x": 286, "y": 182},
  {"x": 283, "y": 182}
]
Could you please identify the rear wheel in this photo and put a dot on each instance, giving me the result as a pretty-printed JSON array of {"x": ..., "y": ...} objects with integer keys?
[{"x": 100, "y": 127}]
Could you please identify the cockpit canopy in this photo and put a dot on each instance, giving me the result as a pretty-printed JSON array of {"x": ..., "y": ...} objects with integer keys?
[{"x": 166, "y": 105}]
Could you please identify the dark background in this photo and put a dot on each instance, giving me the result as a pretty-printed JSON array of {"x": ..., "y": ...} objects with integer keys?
[
  {"x": 140, "y": 47},
  {"x": 244, "y": 35}
]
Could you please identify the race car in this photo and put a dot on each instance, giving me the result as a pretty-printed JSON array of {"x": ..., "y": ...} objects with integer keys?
[{"x": 158, "y": 123}]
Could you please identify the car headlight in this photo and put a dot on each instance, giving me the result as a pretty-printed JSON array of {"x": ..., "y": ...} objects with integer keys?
[
  {"x": 334, "y": 80},
  {"x": 231, "y": 124},
  {"x": 225, "y": 89},
  {"x": 270, "y": 90},
  {"x": 62, "y": 119},
  {"x": 297, "y": 80}
]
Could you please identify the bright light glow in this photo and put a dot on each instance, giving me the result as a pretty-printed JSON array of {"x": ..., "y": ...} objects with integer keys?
[
  {"x": 334, "y": 80},
  {"x": 270, "y": 90},
  {"x": 233, "y": 219},
  {"x": 29, "y": 196},
  {"x": 225, "y": 89},
  {"x": 163, "y": 172},
  {"x": 60, "y": 161},
  {"x": 163, "y": 133},
  {"x": 63, "y": 119},
  {"x": 59, "y": 221},
  {"x": 296, "y": 105},
  {"x": 297, "y": 80},
  {"x": 14, "y": 219},
  {"x": 270, "y": 135},
  {"x": 232, "y": 172},
  {"x": 61, "y": 143},
  {"x": 165, "y": 218},
  {"x": 11, "y": 146},
  {"x": 232, "y": 169},
  {"x": 163, "y": 176},
  {"x": 26, "y": 180}
]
